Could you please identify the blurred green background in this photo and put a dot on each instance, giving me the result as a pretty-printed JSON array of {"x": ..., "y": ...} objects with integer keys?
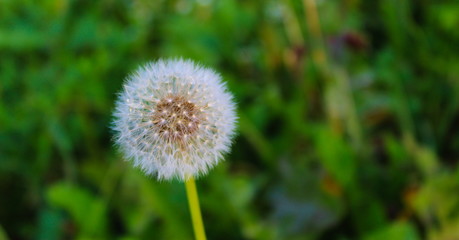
[{"x": 348, "y": 126}]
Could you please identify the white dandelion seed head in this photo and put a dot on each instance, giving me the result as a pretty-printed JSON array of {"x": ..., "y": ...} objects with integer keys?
[{"x": 174, "y": 119}]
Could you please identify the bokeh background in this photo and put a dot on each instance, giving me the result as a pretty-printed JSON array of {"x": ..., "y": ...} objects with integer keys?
[{"x": 348, "y": 119}]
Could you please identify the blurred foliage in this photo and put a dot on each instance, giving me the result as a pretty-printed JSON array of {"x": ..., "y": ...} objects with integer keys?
[{"x": 360, "y": 144}]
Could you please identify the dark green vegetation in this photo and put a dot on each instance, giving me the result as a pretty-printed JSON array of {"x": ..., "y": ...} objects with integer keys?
[{"x": 363, "y": 145}]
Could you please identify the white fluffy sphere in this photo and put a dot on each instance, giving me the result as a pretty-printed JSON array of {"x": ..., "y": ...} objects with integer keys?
[{"x": 174, "y": 119}]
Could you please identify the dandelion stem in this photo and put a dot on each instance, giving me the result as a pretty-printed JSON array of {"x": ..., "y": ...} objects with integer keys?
[{"x": 195, "y": 210}]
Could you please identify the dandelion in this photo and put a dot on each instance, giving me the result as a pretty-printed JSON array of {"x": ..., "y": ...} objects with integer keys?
[{"x": 175, "y": 119}]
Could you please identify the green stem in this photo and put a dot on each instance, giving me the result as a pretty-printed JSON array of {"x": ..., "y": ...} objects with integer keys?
[{"x": 193, "y": 202}]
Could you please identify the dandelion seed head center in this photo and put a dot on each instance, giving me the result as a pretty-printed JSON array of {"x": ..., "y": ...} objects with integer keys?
[{"x": 176, "y": 114}]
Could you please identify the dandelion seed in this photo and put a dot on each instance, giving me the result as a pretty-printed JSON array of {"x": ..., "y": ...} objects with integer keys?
[{"x": 174, "y": 145}]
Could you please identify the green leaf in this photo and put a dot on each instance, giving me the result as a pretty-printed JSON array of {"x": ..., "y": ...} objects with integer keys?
[
  {"x": 335, "y": 156},
  {"x": 397, "y": 231},
  {"x": 88, "y": 211}
]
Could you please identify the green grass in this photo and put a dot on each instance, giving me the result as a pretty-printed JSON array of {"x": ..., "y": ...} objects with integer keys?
[{"x": 363, "y": 147}]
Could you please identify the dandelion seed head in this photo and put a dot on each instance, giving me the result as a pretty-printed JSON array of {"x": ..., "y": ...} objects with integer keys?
[{"x": 174, "y": 119}]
